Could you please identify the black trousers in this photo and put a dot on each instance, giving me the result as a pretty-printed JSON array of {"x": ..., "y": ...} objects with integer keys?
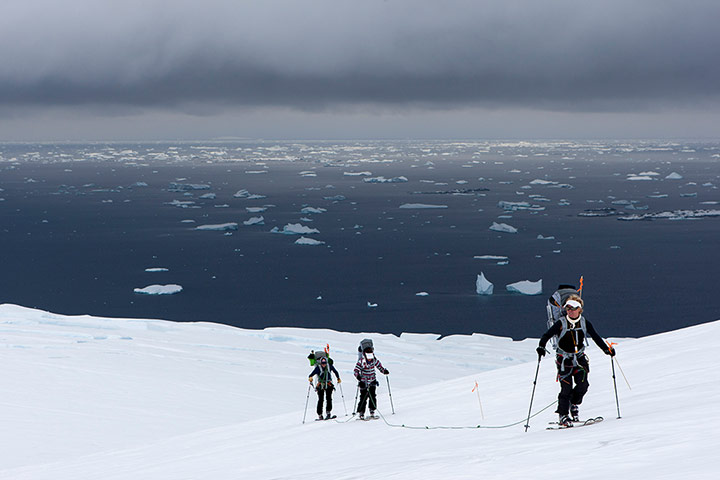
[
  {"x": 365, "y": 394},
  {"x": 324, "y": 393},
  {"x": 573, "y": 382}
]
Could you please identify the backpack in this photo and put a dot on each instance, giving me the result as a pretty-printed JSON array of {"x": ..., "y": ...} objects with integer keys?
[
  {"x": 555, "y": 311},
  {"x": 365, "y": 343},
  {"x": 315, "y": 357}
]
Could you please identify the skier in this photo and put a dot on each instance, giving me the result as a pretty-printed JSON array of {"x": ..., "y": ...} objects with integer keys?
[
  {"x": 365, "y": 374},
  {"x": 573, "y": 365},
  {"x": 324, "y": 387}
]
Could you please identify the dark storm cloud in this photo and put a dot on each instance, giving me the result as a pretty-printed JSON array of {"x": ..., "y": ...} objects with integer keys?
[{"x": 564, "y": 55}]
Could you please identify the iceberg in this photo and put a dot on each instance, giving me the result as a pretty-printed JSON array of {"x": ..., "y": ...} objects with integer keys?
[
  {"x": 674, "y": 176},
  {"x": 420, "y": 206},
  {"x": 307, "y": 210},
  {"x": 255, "y": 221},
  {"x": 159, "y": 290},
  {"x": 186, "y": 187},
  {"x": 503, "y": 227},
  {"x": 526, "y": 287},
  {"x": 483, "y": 286},
  {"x": 221, "y": 227},
  {"x": 400, "y": 179},
  {"x": 308, "y": 241},
  {"x": 295, "y": 229},
  {"x": 243, "y": 193}
]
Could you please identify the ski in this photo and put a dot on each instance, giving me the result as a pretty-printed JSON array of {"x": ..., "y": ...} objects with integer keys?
[
  {"x": 325, "y": 418},
  {"x": 581, "y": 423},
  {"x": 368, "y": 418}
]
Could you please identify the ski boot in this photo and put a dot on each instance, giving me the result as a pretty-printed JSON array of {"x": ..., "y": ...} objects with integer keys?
[
  {"x": 565, "y": 421},
  {"x": 574, "y": 413}
]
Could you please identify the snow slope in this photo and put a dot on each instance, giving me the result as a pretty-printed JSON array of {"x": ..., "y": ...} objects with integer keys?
[{"x": 90, "y": 398}]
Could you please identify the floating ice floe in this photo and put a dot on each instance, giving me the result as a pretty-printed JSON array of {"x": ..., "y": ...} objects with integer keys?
[
  {"x": 490, "y": 257},
  {"x": 420, "y": 206},
  {"x": 186, "y": 187},
  {"x": 599, "y": 212},
  {"x": 483, "y": 286},
  {"x": 539, "y": 181},
  {"x": 658, "y": 195},
  {"x": 514, "y": 206},
  {"x": 255, "y": 209},
  {"x": 649, "y": 173},
  {"x": 357, "y": 174},
  {"x": 220, "y": 227},
  {"x": 308, "y": 241},
  {"x": 336, "y": 198},
  {"x": 503, "y": 227},
  {"x": 156, "y": 269},
  {"x": 307, "y": 210},
  {"x": 400, "y": 179},
  {"x": 526, "y": 287},
  {"x": 182, "y": 204},
  {"x": 422, "y": 294},
  {"x": 635, "y": 178},
  {"x": 208, "y": 196},
  {"x": 255, "y": 221},
  {"x": 295, "y": 229},
  {"x": 243, "y": 193},
  {"x": 308, "y": 173},
  {"x": 674, "y": 215},
  {"x": 542, "y": 237},
  {"x": 674, "y": 176},
  {"x": 138, "y": 184},
  {"x": 159, "y": 289},
  {"x": 372, "y": 305}
]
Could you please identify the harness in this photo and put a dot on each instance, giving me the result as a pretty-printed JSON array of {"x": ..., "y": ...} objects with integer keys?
[
  {"x": 579, "y": 350},
  {"x": 324, "y": 377}
]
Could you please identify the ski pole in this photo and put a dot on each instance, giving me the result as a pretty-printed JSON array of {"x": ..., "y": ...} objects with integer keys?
[
  {"x": 617, "y": 402},
  {"x": 357, "y": 389},
  {"x": 390, "y": 392},
  {"x": 343, "y": 397},
  {"x": 306, "y": 402},
  {"x": 532, "y": 397}
]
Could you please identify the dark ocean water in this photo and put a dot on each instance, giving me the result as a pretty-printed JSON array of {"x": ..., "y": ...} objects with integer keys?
[{"x": 78, "y": 232}]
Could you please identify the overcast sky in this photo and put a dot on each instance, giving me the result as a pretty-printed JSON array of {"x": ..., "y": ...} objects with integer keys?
[{"x": 177, "y": 69}]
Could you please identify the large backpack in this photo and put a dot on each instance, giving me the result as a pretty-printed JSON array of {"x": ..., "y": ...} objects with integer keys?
[
  {"x": 315, "y": 357},
  {"x": 365, "y": 343},
  {"x": 555, "y": 310}
]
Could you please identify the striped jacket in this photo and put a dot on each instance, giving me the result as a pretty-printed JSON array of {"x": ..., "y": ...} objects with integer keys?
[{"x": 365, "y": 371}]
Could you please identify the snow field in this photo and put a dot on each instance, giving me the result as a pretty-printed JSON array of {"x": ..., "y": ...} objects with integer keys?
[{"x": 88, "y": 397}]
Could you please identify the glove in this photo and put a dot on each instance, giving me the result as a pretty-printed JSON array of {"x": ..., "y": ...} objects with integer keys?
[
  {"x": 310, "y": 379},
  {"x": 362, "y": 385},
  {"x": 611, "y": 352},
  {"x": 540, "y": 351},
  {"x": 386, "y": 372},
  {"x": 339, "y": 381}
]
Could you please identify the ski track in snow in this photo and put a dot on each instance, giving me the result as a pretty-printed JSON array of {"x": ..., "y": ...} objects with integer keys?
[{"x": 87, "y": 398}]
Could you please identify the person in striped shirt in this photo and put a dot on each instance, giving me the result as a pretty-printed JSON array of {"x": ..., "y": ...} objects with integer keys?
[{"x": 365, "y": 374}]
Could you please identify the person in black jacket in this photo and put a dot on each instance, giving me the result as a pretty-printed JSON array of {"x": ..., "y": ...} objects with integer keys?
[
  {"x": 572, "y": 363},
  {"x": 324, "y": 387}
]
